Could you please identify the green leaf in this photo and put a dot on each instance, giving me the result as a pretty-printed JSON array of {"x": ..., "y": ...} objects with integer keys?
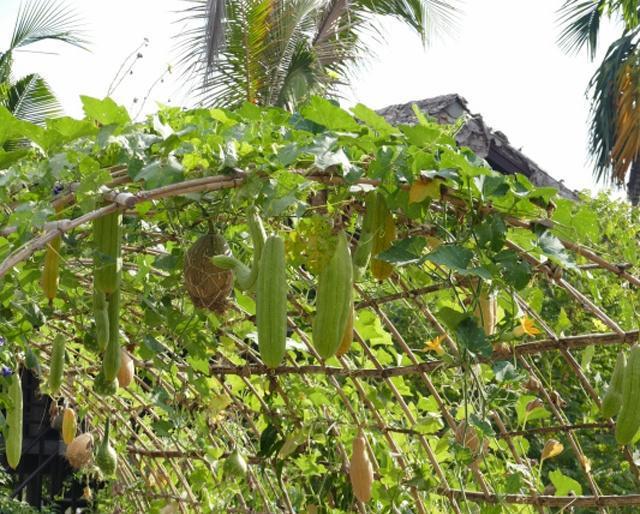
[
  {"x": 514, "y": 482},
  {"x": 420, "y": 116},
  {"x": 161, "y": 173},
  {"x": 268, "y": 440},
  {"x": 325, "y": 113},
  {"x": 328, "y": 159},
  {"x": 403, "y": 252},
  {"x": 553, "y": 247},
  {"x": 550, "y": 244},
  {"x": 381, "y": 165},
  {"x": 8, "y": 158},
  {"x": 586, "y": 223},
  {"x": 515, "y": 272},
  {"x": 372, "y": 119},
  {"x": 151, "y": 346},
  {"x": 429, "y": 424},
  {"x": 492, "y": 232},
  {"x": 288, "y": 154},
  {"x": 471, "y": 337},
  {"x": 492, "y": 185},
  {"x": 564, "y": 485},
  {"x": 504, "y": 371},
  {"x": 420, "y": 135},
  {"x": 563, "y": 322},
  {"x": 532, "y": 415},
  {"x": 451, "y": 317},
  {"x": 453, "y": 256},
  {"x": 587, "y": 356},
  {"x": 8, "y": 125},
  {"x": 105, "y": 112},
  {"x": 70, "y": 129}
]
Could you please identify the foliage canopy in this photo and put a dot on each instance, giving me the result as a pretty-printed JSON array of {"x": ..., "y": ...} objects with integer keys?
[{"x": 421, "y": 362}]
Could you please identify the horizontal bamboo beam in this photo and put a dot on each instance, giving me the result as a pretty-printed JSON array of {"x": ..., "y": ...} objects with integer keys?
[
  {"x": 558, "y": 428},
  {"x": 534, "y": 347},
  {"x": 544, "y": 500}
]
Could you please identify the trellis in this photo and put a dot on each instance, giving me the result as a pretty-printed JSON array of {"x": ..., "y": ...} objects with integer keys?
[{"x": 156, "y": 466}]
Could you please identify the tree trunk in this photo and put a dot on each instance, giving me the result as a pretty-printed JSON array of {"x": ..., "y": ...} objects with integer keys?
[{"x": 633, "y": 186}]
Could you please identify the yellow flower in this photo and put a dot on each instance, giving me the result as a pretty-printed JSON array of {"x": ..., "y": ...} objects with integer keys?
[
  {"x": 435, "y": 345},
  {"x": 551, "y": 449},
  {"x": 527, "y": 327}
]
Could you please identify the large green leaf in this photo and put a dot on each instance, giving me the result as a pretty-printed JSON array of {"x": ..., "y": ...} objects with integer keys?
[{"x": 105, "y": 112}]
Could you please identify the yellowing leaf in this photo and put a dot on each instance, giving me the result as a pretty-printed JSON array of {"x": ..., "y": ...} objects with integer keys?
[
  {"x": 218, "y": 403},
  {"x": 382, "y": 270},
  {"x": 552, "y": 448},
  {"x": 421, "y": 190}
]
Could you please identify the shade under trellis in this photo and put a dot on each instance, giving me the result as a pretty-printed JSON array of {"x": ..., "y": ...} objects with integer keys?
[{"x": 420, "y": 368}]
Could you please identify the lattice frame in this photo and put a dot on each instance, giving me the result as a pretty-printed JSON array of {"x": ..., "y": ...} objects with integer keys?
[{"x": 352, "y": 378}]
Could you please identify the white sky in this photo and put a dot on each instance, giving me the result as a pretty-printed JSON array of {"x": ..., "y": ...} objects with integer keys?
[{"x": 503, "y": 59}]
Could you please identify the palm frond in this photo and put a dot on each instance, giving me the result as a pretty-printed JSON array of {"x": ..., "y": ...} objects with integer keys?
[
  {"x": 239, "y": 73},
  {"x": 329, "y": 19},
  {"x": 273, "y": 48},
  {"x": 32, "y": 100},
  {"x": 6, "y": 63},
  {"x": 604, "y": 90},
  {"x": 626, "y": 148},
  {"x": 293, "y": 27},
  {"x": 580, "y": 20},
  {"x": 629, "y": 11},
  {"x": 426, "y": 17},
  {"x": 191, "y": 39},
  {"x": 214, "y": 31},
  {"x": 301, "y": 79},
  {"x": 40, "y": 20}
]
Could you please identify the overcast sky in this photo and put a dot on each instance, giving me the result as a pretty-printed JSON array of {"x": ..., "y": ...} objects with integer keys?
[{"x": 503, "y": 59}]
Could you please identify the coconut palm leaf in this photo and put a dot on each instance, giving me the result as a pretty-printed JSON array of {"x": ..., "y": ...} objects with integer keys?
[
  {"x": 31, "y": 99},
  {"x": 300, "y": 80},
  {"x": 6, "y": 62},
  {"x": 289, "y": 51},
  {"x": 214, "y": 33},
  {"x": 605, "y": 101},
  {"x": 272, "y": 48},
  {"x": 581, "y": 25},
  {"x": 40, "y": 20},
  {"x": 426, "y": 17},
  {"x": 626, "y": 148},
  {"x": 239, "y": 73},
  {"x": 329, "y": 19},
  {"x": 630, "y": 11}
]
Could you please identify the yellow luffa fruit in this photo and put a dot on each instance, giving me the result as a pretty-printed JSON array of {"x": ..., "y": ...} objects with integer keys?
[
  {"x": 361, "y": 469},
  {"x": 69, "y": 425},
  {"x": 486, "y": 312},
  {"x": 127, "y": 369}
]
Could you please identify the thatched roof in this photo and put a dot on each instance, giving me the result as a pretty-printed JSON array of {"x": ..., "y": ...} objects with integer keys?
[{"x": 491, "y": 145}]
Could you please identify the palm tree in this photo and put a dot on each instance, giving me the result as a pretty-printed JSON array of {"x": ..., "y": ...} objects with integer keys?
[
  {"x": 30, "y": 98},
  {"x": 278, "y": 52},
  {"x": 614, "y": 132}
]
